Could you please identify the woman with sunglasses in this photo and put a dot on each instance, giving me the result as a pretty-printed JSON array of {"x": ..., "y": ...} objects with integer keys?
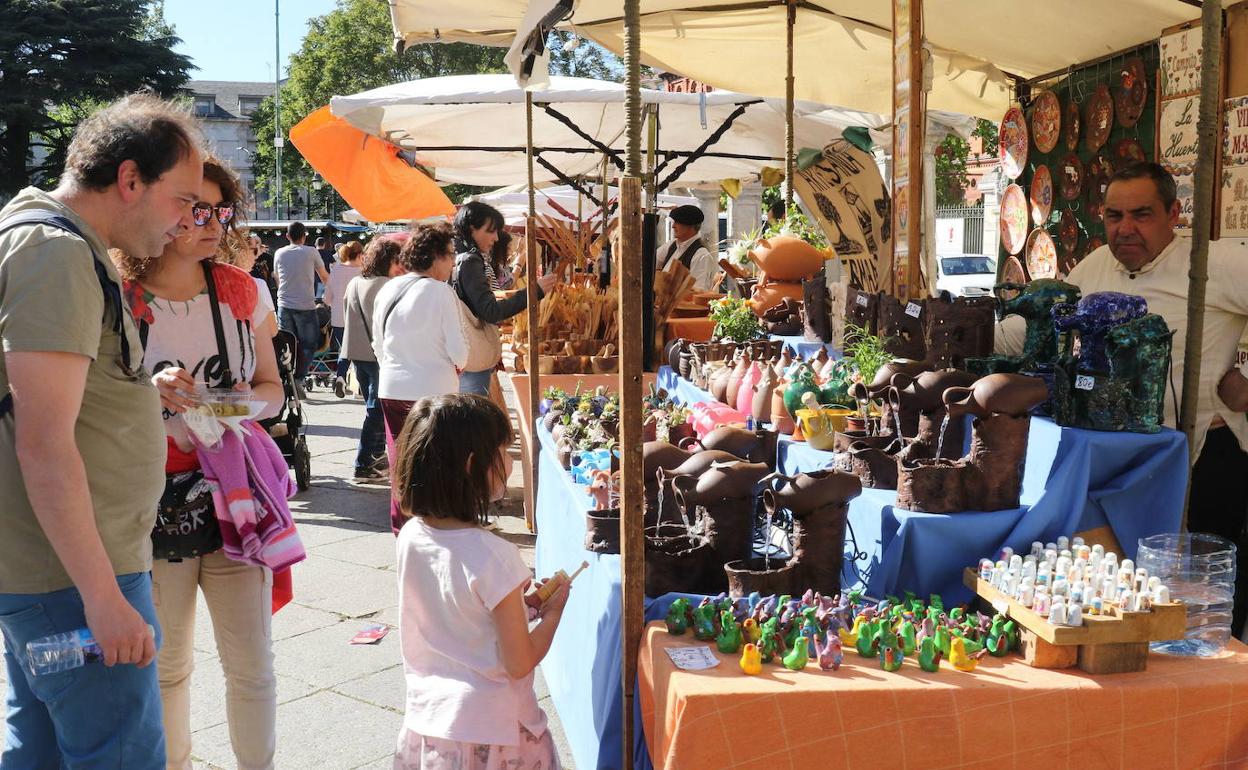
[{"x": 200, "y": 320}]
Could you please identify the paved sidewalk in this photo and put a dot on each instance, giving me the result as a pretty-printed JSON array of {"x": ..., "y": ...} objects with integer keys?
[{"x": 339, "y": 705}]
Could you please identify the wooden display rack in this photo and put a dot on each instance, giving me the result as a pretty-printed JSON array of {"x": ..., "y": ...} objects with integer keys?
[{"x": 1104, "y": 644}]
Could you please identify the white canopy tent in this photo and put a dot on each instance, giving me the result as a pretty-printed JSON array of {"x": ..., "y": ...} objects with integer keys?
[
  {"x": 843, "y": 50},
  {"x": 469, "y": 128},
  {"x": 560, "y": 202}
]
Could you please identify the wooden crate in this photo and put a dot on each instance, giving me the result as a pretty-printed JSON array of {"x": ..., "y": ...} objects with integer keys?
[{"x": 1107, "y": 644}]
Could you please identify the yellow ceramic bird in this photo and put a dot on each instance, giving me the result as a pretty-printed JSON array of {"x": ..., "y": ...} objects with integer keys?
[
  {"x": 751, "y": 660},
  {"x": 751, "y": 631},
  {"x": 850, "y": 638},
  {"x": 958, "y": 656}
]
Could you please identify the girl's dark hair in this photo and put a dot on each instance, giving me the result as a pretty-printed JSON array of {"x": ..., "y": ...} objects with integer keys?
[
  {"x": 380, "y": 255},
  {"x": 426, "y": 244},
  {"x": 498, "y": 257},
  {"x": 472, "y": 215},
  {"x": 447, "y": 454}
]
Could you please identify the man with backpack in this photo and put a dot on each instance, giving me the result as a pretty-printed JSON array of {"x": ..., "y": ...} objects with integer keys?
[{"x": 82, "y": 447}]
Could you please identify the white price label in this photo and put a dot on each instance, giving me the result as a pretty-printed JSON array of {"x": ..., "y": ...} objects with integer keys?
[
  {"x": 1085, "y": 382},
  {"x": 913, "y": 309},
  {"x": 692, "y": 658},
  {"x": 862, "y": 300}
]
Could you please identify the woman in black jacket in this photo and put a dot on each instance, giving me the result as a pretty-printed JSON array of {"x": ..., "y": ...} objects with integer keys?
[{"x": 477, "y": 226}]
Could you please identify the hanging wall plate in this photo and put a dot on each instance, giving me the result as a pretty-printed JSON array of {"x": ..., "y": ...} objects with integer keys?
[
  {"x": 1100, "y": 118},
  {"x": 1068, "y": 232},
  {"x": 1012, "y": 143},
  {"x": 1012, "y": 271},
  {"x": 1041, "y": 255},
  {"x": 1070, "y": 124},
  {"x": 1128, "y": 151},
  {"x": 1070, "y": 176},
  {"x": 1046, "y": 121},
  {"x": 1041, "y": 194},
  {"x": 1013, "y": 219},
  {"x": 1131, "y": 94}
]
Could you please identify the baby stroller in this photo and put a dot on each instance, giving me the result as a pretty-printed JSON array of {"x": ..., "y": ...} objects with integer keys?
[
  {"x": 288, "y": 428},
  {"x": 324, "y": 364}
]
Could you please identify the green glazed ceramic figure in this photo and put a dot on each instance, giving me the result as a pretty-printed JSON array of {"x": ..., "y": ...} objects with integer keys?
[
  {"x": 769, "y": 642},
  {"x": 677, "y": 619},
  {"x": 729, "y": 639},
  {"x": 704, "y": 622},
  {"x": 929, "y": 655},
  {"x": 868, "y": 644},
  {"x": 799, "y": 655},
  {"x": 942, "y": 639},
  {"x": 908, "y": 637},
  {"x": 803, "y": 382},
  {"x": 998, "y": 643},
  {"x": 890, "y": 653}
]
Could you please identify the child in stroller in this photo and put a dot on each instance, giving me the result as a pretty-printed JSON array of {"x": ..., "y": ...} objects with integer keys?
[{"x": 288, "y": 427}]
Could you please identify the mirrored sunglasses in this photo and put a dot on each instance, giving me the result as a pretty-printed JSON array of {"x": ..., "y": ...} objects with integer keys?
[{"x": 202, "y": 212}]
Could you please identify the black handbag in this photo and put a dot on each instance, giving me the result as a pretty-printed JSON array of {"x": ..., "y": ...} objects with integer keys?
[{"x": 186, "y": 520}]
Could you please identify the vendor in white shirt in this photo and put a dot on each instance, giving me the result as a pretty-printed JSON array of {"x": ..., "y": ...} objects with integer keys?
[
  {"x": 1145, "y": 257},
  {"x": 686, "y": 247}
]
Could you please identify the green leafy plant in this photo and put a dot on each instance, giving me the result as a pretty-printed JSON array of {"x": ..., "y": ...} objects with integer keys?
[
  {"x": 796, "y": 224},
  {"x": 739, "y": 251},
  {"x": 734, "y": 320},
  {"x": 866, "y": 351}
]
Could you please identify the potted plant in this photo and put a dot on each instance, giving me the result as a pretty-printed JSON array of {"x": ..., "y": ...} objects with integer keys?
[
  {"x": 866, "y": 353},
  {"x": 734, "y": 320}
]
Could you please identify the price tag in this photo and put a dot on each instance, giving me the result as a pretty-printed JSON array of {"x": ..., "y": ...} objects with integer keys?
[
  {"x": 862, "y": 300},
  {"x": 692, "y": 658},
  {"x": 913, "y": 309},
  {"x": 1085, "y": 382}
]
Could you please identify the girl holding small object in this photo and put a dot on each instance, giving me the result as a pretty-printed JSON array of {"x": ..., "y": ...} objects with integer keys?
[{"x": 468, "y": 651}]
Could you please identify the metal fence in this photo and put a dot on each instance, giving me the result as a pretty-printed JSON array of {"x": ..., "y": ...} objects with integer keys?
[{"x": 972, "y": 228}]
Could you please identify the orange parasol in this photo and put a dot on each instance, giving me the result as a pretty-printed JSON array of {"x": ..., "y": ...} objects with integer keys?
[{"x": 367, "y": 171}]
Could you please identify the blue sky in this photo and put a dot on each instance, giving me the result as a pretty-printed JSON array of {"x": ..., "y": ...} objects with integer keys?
[{"x": 233, "y": 39}]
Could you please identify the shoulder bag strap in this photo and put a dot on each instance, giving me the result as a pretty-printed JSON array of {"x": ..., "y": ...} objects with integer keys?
[
  {"x": 394, "y": 303},
  {"x": 216, "y": 324},
  {"x": 359, "y": 309}
]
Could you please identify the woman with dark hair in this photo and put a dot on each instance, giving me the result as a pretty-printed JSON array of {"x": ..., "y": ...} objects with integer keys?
[
  {"x": 417, "y": 333},
  {"x": 378, "y": 265},
  {"x": 500, "y": 257},
  {"x": 477, "y": 228},
  {"x": 200, "y": 320}
]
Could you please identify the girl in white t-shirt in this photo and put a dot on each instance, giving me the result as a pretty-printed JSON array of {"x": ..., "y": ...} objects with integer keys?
[{"x": 468, "y": 652}]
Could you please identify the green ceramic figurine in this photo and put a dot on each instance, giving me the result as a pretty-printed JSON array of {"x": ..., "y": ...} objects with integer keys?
[
  {"x": 729, "y": 639},
  {"x": 929, "y": 655},
  {"x": 798, "y": 656},
  {"x": 908, "y": 634},
  {"x": 704, "y": 622},
  {"x": 868, "y": 644},
  {"x": 890, "y": 653},
  {"x": 769, "y": 641},
  {"x": 677, "y": 619}
]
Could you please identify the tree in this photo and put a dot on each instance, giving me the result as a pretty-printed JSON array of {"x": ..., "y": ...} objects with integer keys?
[
  {"x": 951, "y": 157},
  {"x": 61, "y": 59},
  {"x": 585, "y": 59}
]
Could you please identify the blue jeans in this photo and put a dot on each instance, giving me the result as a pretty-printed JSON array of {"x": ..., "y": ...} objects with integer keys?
[
  {"x": 335, "y": 335},
  {"x": 373, "y": 432},
  {"x": 88, "y": 717},
  {"x": 476, "y": 382},
  {"x": 302, "y": 324}
]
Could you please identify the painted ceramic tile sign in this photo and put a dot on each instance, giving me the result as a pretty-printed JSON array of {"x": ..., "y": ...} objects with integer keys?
[
  {"x": 1234, "y": 200},
  {"x": 1180, "y": 63}
]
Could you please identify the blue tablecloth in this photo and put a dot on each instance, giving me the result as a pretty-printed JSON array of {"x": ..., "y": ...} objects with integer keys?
[
  {"x": 804, "y": 347},
  {"x": 682, "y": 390},
  {"x": 1074, "y": 480}
]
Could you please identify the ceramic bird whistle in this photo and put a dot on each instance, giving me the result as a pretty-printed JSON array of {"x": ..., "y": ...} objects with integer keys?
[{"x": 547, "y": 589}]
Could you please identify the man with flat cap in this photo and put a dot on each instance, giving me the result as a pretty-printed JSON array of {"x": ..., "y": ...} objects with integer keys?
[{"x": 686, "y": 247}]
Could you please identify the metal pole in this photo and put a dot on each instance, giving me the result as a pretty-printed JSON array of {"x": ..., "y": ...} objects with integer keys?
[
  {"x": 531, "y": 266},
  {"x": 1208, "y": 131},
  {"x": 277, "y": 105},
  {"x": 789, "y": 150},
  {"x": 632, "y": 494}
]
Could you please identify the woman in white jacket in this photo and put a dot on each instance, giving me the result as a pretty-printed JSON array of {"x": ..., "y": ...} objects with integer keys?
[{"x": 417, "y": 333}]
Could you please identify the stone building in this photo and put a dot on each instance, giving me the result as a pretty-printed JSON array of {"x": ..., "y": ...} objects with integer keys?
[{"x": 224, "y": 109}]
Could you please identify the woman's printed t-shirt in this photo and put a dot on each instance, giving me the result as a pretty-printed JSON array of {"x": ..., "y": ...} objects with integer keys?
[{"x": 181, "y": 334}]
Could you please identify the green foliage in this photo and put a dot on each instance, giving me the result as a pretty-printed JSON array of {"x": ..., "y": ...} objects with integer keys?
[
  {"x": 865, "y": 351},
  {"x": 586, "y": 60},
  {"x": 60, "y": 60},
  {"x": 951, "y": 158},
  {"x": 734, "y": 320},
  {"x": 797, "y": 225}
]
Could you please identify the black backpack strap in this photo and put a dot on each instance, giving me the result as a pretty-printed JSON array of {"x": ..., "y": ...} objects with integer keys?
[
  {"x": 227, "y": 380},
  {"x": 112, "y": 294}
]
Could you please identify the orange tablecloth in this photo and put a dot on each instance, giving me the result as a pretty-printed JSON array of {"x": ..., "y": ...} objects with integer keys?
[
  {"x": 1180, "y": 713},
  {"x": 694, "y": 329}
]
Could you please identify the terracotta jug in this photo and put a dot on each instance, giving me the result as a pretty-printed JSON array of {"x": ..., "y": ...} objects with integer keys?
[
  {"x": 659, "y": 454},
  {"x": 1009, "y": 394},
  {"x": 745, "y": 391},
  {"x": 717, "y": 382},
  {"x": 781, "y": 420},
  {"x": 672, "y": 351},
  {"x": 876, "y": 467},
  {"x": 884, "y": 375},
  {"x": 782, "y": 364},
  {"x": 734, "y": 380},
  {"x": 807, "y": 492},
  {"x": 769, "y": 294},
  {"x": 785, "y": 258},
  {"x": 756, "y": 446},
  {"x": 760, "y": 403},
  {"x": 828, "y": 370},
  {"x": 726, "y": 492}
]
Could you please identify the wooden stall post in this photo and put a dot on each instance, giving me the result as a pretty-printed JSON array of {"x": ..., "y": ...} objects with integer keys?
[
  {"x": 789, "y": 149},
  {"x": 1208, "y": 129},
  {"x": 909, "y": 127},
  {"x": 531, "y": 268},
  {"x": 632, "y": 497}
]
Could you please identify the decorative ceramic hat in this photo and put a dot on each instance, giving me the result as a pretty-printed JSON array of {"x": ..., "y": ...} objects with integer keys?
[{"x": 687, "y": 215}]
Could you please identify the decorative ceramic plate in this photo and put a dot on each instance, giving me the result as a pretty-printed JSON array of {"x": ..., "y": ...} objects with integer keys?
[
  {"x": 1070, "y": 176},
  {"x": 1098, "y": 183},
  {"x": 1012, "y": 271},
  {"x": 1041, "y": 255},
  {"x": 1132, "y": 92},
  {"x": 1065, "y": 265},
  {"x": 1101, "y": 163},
  {"x": 1012, "y": 143},
  {"x": 1046, "y": 121},
  {"x": 1013, "y": 219},
  {"x": 1093, "y": 245},
  {"x": 1068, "y": 232},
  {"x": 1129, "y": 151},
  {"x": 1070, "y": 125},
  {"x": 1100, "y": 118},
  {"x": 1041, "y": 194}
]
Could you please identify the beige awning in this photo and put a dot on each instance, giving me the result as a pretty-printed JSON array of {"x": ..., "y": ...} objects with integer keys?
[{"x": 842, "y": 48}]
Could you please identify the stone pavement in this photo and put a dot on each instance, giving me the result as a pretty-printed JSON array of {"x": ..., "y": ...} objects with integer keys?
[{"x": 339, "y": 705}]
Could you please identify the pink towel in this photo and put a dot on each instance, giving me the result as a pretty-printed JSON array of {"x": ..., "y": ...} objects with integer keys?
[{"x": 251, "y": 483}]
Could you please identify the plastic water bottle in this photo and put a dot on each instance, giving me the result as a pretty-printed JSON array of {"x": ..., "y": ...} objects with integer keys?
[
  {"x": 64, "y": 651},
  {"x": 1199, "y": 570}
]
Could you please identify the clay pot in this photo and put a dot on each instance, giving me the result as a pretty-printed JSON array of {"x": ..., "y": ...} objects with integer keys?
[
  {"x": 781, "y": 421},
  {"x": 782, "y": 363},
  {"x": 602, "y": 531},
  {"x": 721, "y": 481},
  {"x": 876, "y": 467},
  {"x": 807, "y": 492},
  {"x": 727, "y": 493},
  {"x": 756, "y": 446},
  {"x": 686, "y": 358},
  {"x": 861, "y": 312},
  {"x": 565, "y": 455},
  {"x": 675, "y": 561},
  {"x": 655, "y": 455},
  {"x": 734, "y": 380},
  {"x": 672, "y": 351},
  {"x": 818, "y": 534},
  {"x": 752, "y": 575},
  {"x": 760, "y": 399},
  {"x": 556, "y": 432},
  {"x": 1010, "y": 394},
  {"x": 932, "y": 486},
  {"x": 745, "y": 391},
  {"x": 884, "y": 375},
  {"x": 717, "y": 383},
  {"x": 551, "y": 418},
  {"x": 828, "y": 370},
  {"x": 769, "y": 294},
  {"x": 680, "y": 432},
  {"x": 604, "y": 364},
  {"x": 785, "y": 258},
  {"x": 782, "y": 310},
  {"x": 816, "y": 304}
]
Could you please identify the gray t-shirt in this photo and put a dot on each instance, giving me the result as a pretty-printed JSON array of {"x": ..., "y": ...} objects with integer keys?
[{"x": 296, "y": 276}]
